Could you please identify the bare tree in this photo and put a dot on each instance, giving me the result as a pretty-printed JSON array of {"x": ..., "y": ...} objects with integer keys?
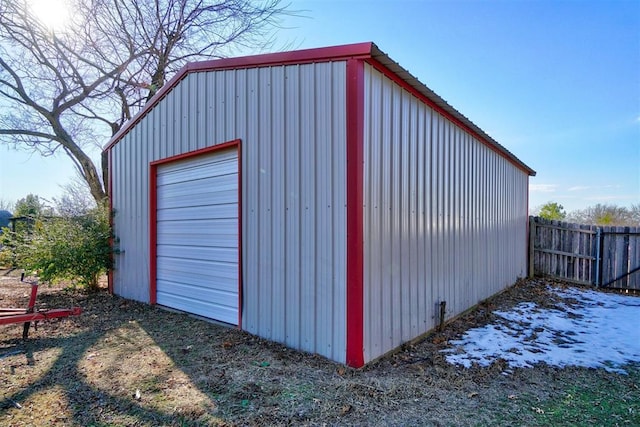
[
  {"x": 75, "y": 200},
  {"x": 634, "y": 214},
  {"x": 6, "y": 205},
  {"x": 70, "y": 90},
  {"x": 604, "y": 214}
]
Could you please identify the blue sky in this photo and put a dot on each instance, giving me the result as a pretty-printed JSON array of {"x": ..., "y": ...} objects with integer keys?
[{"x": 556, "y": 82}]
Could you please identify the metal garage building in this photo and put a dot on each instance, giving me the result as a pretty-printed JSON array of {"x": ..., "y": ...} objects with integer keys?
[{"x": 322, "y": 198}]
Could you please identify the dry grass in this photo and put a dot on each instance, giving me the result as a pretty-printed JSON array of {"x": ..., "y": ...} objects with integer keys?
[{"x": 124, "y": 363}]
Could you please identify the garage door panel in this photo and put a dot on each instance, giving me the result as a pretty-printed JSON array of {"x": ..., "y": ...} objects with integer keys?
[
  {"x": 191, "y": 177},
  {"x": 223, "y": 313},
  {"x": 215, "y": 186},
  {"x": 195, "y": 177},
  {"x": 213, "y": 281},
  {"x": 219, "y": 239},
  {"x": 222, "y": 298},
  {"x": 180, "y": 202},
  {"x": 197, "y": 236},
  {"x": 179, "y": 198},
  {"x": 212, "y": 227},
  {"x": 195, "y": 195},
  {"x": 175, "y": 269},
  {"x": 193, "y": 280},
  {"x": 205, "y": 253},
  {"x": 224, "y": 239},
  {"x": 184, "y": 170},
  {"x": 197, "y": 212},
  {"x": 182, "y": 199}
]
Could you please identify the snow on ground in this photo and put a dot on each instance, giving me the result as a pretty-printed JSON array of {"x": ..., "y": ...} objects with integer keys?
[{"x": 596, "y": 330}]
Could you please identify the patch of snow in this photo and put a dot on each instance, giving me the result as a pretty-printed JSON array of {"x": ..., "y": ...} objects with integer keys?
[{"x": 597, "y": 330}]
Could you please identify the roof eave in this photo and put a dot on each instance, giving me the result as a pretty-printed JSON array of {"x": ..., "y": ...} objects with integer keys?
[
  {"x": 366, "y": 50},
  {"x": 331, "y": 53},
  {"x": 412, "y": 81}
]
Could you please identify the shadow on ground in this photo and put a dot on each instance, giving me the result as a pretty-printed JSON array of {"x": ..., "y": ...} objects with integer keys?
[{"x": 125, "y": 363}]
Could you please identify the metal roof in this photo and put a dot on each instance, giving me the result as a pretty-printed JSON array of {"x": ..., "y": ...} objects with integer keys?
[
  {"x": 412, "y": 81},
  {"x": 367, "y": 51}
]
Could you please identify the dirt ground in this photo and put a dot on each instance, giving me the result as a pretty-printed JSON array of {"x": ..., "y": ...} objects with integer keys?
[{"x": 125, "y": 363}]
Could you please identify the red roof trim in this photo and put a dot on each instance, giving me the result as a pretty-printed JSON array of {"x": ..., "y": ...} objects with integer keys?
[
  {"x": 323, "y": 54},
  {"x": 431, "y": 103},
  {"x": 367, "y": 51}
]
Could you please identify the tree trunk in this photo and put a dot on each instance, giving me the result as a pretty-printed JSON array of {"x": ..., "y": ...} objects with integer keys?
[
  {"x": 104, "y": 157},
  {"x": 90, "y": 174},
  {"x": 82, "y": 161}
]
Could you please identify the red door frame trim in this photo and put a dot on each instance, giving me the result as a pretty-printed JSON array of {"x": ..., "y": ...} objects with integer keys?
[
  {"x": 153, "y": 220},
  {"x": 355, "y": 263}
]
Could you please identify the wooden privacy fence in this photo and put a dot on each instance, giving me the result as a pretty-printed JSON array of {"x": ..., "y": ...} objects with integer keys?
[{"x": 585, "y": 254}]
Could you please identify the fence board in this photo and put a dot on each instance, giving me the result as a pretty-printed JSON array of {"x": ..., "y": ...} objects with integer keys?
[
  {"x": 622, "y": 253},
  {"x": 634, "y": 253},
  {"x": 608, "y": 258},
  {"x": 570, "y": 252}
]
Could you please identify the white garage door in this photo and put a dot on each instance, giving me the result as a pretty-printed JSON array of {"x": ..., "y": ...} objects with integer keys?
[{"x": 197, "y": 235}]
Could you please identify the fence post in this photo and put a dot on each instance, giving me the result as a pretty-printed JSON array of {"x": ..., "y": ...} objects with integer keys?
[
  {"x": 532, "y": 235},
  {"x": 598, "y": 256}
]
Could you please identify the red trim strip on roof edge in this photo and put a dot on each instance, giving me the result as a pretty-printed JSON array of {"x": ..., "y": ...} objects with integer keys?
[
  {"x": 153, "y": 223},
  {"x": 323, "y": 54},
  {"x": 365, "y": 50},
  {"x": 355, "y": 263},
  {"x": 402, "y": 83}
]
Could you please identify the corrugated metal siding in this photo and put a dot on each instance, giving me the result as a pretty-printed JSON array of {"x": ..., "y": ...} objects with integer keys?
[
  {"x": 291, "y": 120},
  {"x": 444, "y": 217}
]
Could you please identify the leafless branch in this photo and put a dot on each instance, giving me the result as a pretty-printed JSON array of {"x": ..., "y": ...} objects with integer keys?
[{"x": 64, "y": 89}]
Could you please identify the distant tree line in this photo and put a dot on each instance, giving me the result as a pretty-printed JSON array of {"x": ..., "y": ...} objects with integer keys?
[{"x": 599, "y": 214}]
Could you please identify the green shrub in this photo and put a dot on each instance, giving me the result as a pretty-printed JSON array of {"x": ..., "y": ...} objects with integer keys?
[
  {"x": 8, "y": 242},
  {"x": 63, "y": 248}
]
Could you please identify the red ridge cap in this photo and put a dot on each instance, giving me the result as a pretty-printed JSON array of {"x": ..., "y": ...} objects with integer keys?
[{"x": 357, "y": 50}]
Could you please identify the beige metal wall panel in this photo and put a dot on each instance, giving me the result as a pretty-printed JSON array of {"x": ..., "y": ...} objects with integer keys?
[
  {"x": 294, "y": 261},
  {"x": 444, "y": 217},
  {"x": 291, "y": 120}
]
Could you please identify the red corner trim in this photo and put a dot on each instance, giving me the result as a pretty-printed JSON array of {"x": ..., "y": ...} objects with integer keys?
[
  {"x": 153, "y": 220},
  {"x": 110, "y": 213},
  {"x": 528, "y": 231},
  {"x": 355, "y": 264},
  {"x": 153, "y": 229}
]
